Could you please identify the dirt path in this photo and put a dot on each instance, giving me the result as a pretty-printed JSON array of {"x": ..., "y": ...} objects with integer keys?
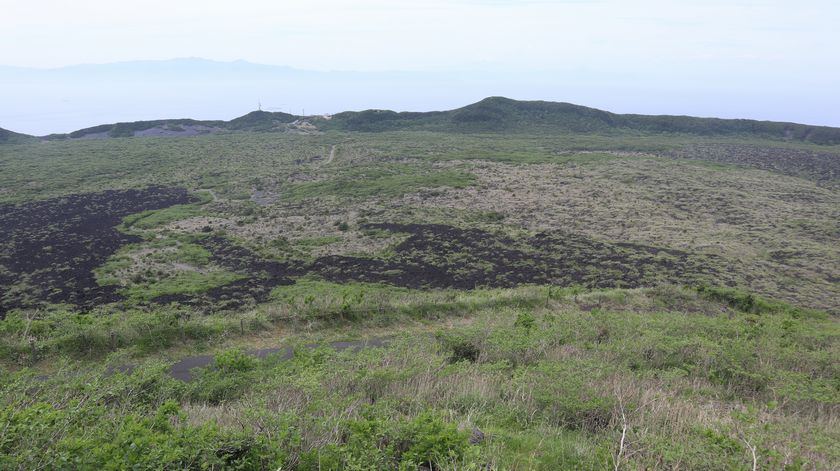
[
  {"x": 212, "y": 193},
  {"x": 182, "y": 369},
  {"x": 332, "y": 155}
]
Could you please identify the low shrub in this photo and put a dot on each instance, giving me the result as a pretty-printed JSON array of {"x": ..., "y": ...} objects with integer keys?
[{"x": 426, "y": 440}]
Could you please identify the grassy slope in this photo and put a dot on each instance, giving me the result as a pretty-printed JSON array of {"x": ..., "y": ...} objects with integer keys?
[
  {"x": 504, "y": 114},
  {"x": 9, "y": 137},
  {"x": 549, "y": 377},
  {"x": 545, "y": 377},
  {"x": 253, "y": 121},
  {"x": 779, "y": 225},
  {"x": 494, "y": 114}
]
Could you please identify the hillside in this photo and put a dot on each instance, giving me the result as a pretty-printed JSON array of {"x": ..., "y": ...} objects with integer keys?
[
  {"x": 491, "y": 115},
  {"x": 9, "y": 137},
  {"x": 497, "y": 114},
  {"x": 254, "y": 121},
  {"x": 509, "y": 285}
]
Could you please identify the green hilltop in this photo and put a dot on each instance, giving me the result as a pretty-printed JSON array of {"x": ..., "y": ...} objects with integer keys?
[
  {"x": 491, "y": 115},
  {"x": 253, "y": 121},
  {"x": 505, "y": 286},
  {"x": 9, "y": 137},
  {"x": 504, "y": 114}
]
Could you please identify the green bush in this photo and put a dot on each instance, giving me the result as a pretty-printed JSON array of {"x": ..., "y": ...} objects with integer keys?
[
  {"x": 744, "y": 302},
  {"x": 228, "y": 378},
  {"x": 234, "y": 361},
  {"x": 465, "y": 350},
  {"x": 376, "y": 443},
  {"x": 525, "y": 320},
  {"x": 545, "y": 396},
  {"x": 564, "y": 397},
  {"x": 462, "y": 348},
  {"x": 430, "y": 441}
]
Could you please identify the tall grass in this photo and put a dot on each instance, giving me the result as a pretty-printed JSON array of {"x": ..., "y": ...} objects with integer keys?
[{"x": 568, "y": 379}]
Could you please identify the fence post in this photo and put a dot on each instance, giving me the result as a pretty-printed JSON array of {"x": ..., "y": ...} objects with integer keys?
[
  {"x": 113, "y": 341},
  {"x": 242, "y": 326}
]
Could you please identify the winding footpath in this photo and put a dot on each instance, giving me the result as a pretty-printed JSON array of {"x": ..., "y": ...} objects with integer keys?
[
  {"x": 331, "y": 156},
  {"x": 182, "y": 370}
]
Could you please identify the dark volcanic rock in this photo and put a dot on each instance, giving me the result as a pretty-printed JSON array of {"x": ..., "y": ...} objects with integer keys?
[
  {"x": 49, "y": 248},
  {"x": 440, "y": 256}
]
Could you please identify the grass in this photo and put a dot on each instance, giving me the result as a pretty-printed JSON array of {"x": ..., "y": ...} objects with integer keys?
[
  {"x": 188, "y": 282},
  {"x": 521, "y": 156},
  {"x": 535, "y": 377},
  {"x": 510, "y": 116},
  {"x": 394, "y": 181},
  {"x": 162, "y": 266},
  {"x": 550, "y": 384},
  {"x": 225, "y": 161},
  {"x": 152, "y": 219}
]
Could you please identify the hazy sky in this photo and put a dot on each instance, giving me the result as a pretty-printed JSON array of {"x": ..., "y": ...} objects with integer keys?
[
  {"x": 411, "y": 34},
  {"x": 771, "y": 51}
]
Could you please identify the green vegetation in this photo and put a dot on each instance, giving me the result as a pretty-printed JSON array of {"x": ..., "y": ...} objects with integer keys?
[
  {"x": 393, "y": 181},
  {"x": 227, "y": 163},
  {"x": 332, "y": 280},
  {"x": 254, "y": 121},
  {"x": 30, "y": 339},
  {"x": 160, "y": 217},
  {"x": 494, "y": 114},
  {"x": 528, "y": 379},
  {"x": 188, "y": 282},
  {"x": 9, "y": 137},
  {"x": 163, "y": 265},
  {"x": 502, "y": 114}
]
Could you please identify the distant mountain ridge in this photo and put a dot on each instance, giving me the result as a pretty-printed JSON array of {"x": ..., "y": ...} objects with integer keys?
[
  {"x": 198, "y": 64},
  {"x": 504, "y": 114},
  {"x": 494, "y": 114},
  {"x": 253, "y": 121},
  {"x": 9, "y": 137}
]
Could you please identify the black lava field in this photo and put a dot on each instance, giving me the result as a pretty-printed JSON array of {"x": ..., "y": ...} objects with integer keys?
[
  {"x": 439, "y": 256},
  {"x": 49, "y": 248}
]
